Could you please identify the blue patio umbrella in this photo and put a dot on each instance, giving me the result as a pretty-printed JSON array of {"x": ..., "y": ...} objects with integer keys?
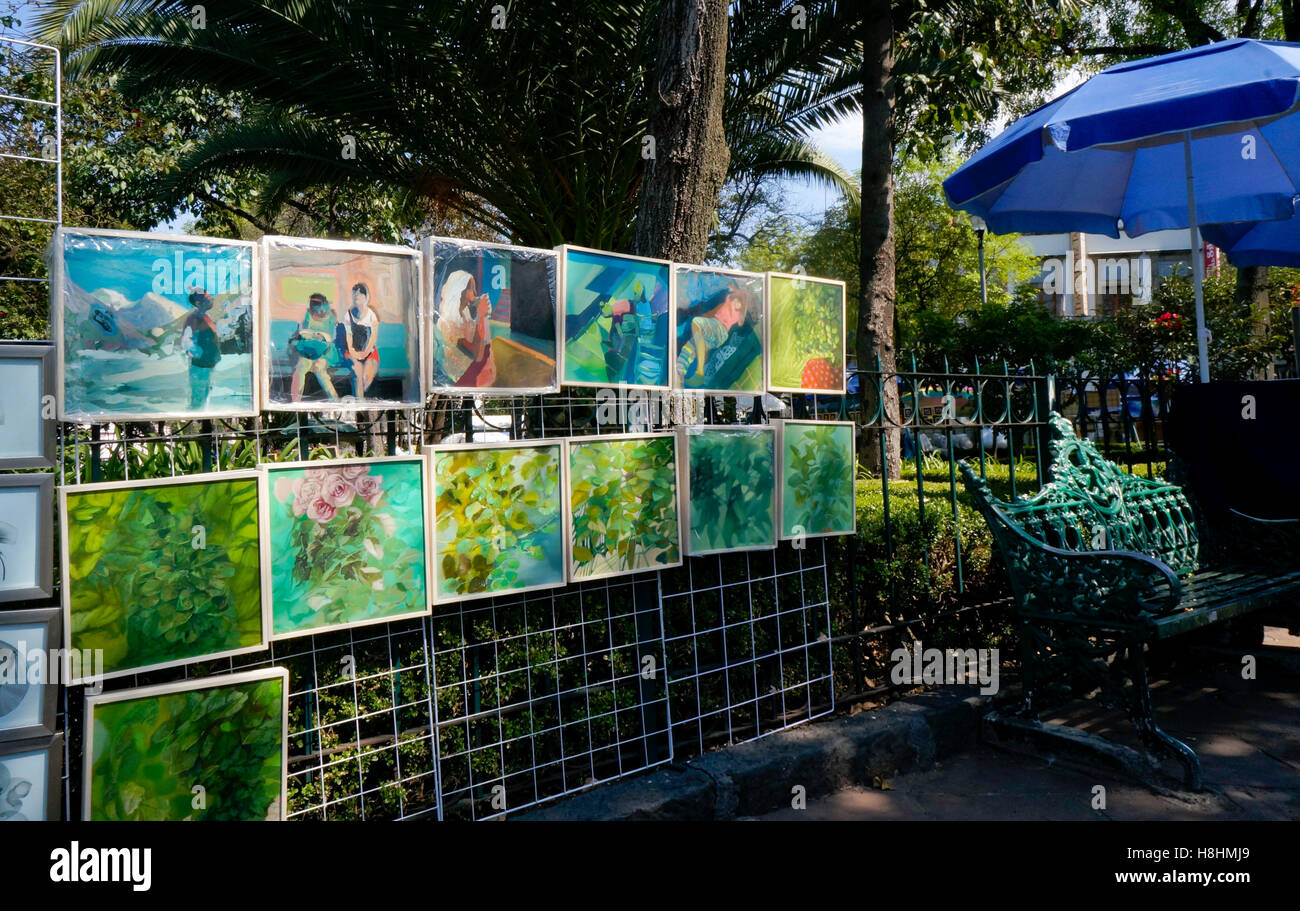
[
  {"x": 1208, "y": 135},
  {"x": 1261, "y": 243}
]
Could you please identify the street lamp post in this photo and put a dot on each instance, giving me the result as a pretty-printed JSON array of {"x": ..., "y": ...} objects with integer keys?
[{"x": 980, "y": 227}]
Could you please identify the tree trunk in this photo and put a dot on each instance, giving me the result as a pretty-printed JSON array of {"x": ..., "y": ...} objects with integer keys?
[
  {"x": 875, "y": 337},
  {"x": 679, "y": 196},
  {"x": 1251, "y": 296}
]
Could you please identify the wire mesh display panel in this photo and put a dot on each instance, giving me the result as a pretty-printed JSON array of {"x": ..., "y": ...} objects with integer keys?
[{"x": 748, "y": 642}]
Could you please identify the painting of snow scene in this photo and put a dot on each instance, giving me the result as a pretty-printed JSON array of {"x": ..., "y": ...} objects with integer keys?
[{"x": 155, "y": 326}]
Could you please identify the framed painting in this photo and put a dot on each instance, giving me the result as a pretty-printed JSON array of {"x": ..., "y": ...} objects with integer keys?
[
  {"x": 29, "y": 686},
  {"x": 341, "y": 323},
  {"x": 719, "y": 330},
  {"x": 240, "y": 773},
  {"x": 26, "y": 537},
  {"x": 153, "y": 326},
  {"x": 818, "y": 468},
  {"x": 27, "y": 384},
  {"x": 728, "y": 488},
  {"x": 622, "y": 505},
  {"x": 494, "y": 317},
  {"x": 345, "y": 543},
  {"x": 31, "y": 780},
  {"x": 159, "y": 573},
  {"x": 498, "y": 518},
  {"x": 806, "y": 347},
  {"x": 617, "y": 319}
]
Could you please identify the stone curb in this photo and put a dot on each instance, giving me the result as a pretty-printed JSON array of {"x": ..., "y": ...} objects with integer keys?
[{"x": 757, "y": 777}]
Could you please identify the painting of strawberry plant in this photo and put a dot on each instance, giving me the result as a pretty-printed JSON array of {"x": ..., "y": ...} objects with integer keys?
[
  {"x": 623, "y": 505},
  {"x": 817, "y": 473},
  {"x": 345, "y": 543},
  {"x": 497, "y": 520},
  {"x": 162, "y": 572},
  {"x": 806, "y": 347},
  {"x": 731, "y": 488},
  {"x": 211, "y": 749}
]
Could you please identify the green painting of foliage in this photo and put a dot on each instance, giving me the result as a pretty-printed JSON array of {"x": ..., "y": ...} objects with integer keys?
[
  {"x": 348, "y": 544},
  {"x": 623, "y": 505},
  {"x": 732, "y": 489},
  {"x": 807, "y": 326},
  {"x": 150, "y": 754},
  {"x": 166, "y": 573},
  {"x": 497, "y": 519},
  {"x": 816, "y": 479}
]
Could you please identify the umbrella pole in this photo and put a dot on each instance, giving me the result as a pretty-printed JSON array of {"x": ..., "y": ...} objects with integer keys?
[{"x": 1198, "y": 262}]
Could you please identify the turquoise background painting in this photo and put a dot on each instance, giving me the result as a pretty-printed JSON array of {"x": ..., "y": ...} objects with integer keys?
[
  {"x": 125, "y": 305},
  {"x": 601, "y": 348},
  {"x": 347, "y": 544}
]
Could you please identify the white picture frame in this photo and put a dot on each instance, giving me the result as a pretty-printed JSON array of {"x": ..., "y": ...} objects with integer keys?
[
  {"x": 183, "y": 686},
  {"x": 29, "y": 708},
  {"x": 843, "y": 328},
  {"x": 266, "y": 480},
  {"x": 432, "y": 247},
  {"x": 562, "y": 494},
  {"x": 29, "y": 535},
  {"x": 60, "y": 287},
  {"x": 29, "y": 400},
  {"x": 270, "y": 373},
  {"x": 566, "y": 278},
  {"x": 781, "y": 426},
  {"x": 680, "y": 269}
]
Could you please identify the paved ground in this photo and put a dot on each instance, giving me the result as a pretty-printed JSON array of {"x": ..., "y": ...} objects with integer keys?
[{"x": 1247, "y": 734}]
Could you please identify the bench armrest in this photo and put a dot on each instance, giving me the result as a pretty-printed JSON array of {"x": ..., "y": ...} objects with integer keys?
[{"x": 1118, "y": 586}]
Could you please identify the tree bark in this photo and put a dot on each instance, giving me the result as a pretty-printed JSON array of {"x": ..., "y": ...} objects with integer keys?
[
  {"x": 875, "y": 335},
  {"x": 679, "y": 195},
  {"x": 1251, "y": 296}
]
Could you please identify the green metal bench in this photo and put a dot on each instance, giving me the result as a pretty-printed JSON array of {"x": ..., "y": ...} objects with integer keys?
[{"x": 1104, "y": 564}]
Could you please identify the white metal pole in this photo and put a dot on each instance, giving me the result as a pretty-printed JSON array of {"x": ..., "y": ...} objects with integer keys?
[{"x": 1198, "y": 261}]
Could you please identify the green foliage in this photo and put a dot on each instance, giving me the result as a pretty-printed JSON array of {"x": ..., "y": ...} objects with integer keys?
[
  {"x": 150, "y": 752},
  {"x": 817, "y": 478},
  {"x": 732, "y": 489},
  {"x": 164, "y": 573},
  {"x": 564, "y": 166},
  {"x": 494, "y": 509},
  {"x": 624, "y": 504}
]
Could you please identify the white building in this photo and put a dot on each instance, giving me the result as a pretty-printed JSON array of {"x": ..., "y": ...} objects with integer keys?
[{"x": 1101, "y": 274}]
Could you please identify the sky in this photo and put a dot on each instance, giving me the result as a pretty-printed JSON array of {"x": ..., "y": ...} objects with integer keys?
[{"x": 841, "y": 140}]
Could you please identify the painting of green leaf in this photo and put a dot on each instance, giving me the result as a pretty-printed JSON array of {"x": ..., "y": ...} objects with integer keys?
[
  {"x": 347, "y": 544},
  {"x": 497, "y": 520},
  {"x": 817, "y": 478},
  {"x": 732, "y": 488},
  {"x": 623, "y": 505},
  {"x": 806, "y": 349},
  {"x": 148, "y": 756},
  {"x": 158, "y": 574}
]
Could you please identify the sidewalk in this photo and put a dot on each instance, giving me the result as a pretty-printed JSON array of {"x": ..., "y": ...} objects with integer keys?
[{"x": 1247, "y": 734}]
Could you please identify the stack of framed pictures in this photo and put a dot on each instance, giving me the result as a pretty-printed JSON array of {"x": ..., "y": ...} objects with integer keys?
[{"x": 31, "y": 749}]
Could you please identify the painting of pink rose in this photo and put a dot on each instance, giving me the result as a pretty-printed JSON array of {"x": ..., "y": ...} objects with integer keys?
[{"x": 348, "y": 543}]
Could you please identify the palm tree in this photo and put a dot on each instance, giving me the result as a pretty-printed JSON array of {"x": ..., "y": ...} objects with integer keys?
[{"x": 527, "y": 118}]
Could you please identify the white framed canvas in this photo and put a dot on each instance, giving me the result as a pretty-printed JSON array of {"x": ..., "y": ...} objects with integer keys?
[
  {"x": 622, "y": 504},
  {"x": 162, "y": 572},
  {"x": 807, "y": 339},
  {"x": 498, "y": 518},
  {"x": 493, "y": 317},
  {"x": 818, "y": 472},
  {"x": 617, "y": 319},
  {"x": 28, "y": 405},
  {"x": 26, "y": 537},
  {"x": 226, "y": 736},
  {"x": 341, "y": 323},
  {"x": 719, "y": 330},
  {"x": 153, "y": 326},
  {"x": 31, "y": 779},
  {"x": 29, "y": 683},
  {"x": 345, "y": 542},
  {"x": 728, "y": 482}
]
